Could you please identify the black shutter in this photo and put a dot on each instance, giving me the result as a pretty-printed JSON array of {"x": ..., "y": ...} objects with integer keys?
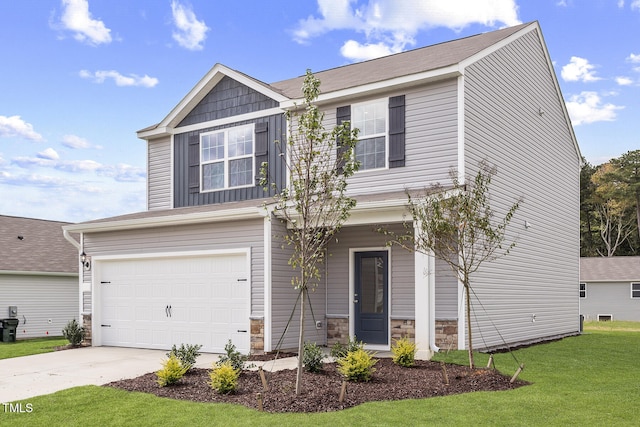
[
  {"x": 396, "y": 131},
  {"x": 343, "y": 114},
  {"x": 262, "y": 146},
  {"x": 194, "y": 164}
]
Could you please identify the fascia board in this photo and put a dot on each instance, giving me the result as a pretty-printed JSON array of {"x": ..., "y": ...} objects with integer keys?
[
  {"x": 168, "y": 220},
  {"x": 379, "y": 87}
]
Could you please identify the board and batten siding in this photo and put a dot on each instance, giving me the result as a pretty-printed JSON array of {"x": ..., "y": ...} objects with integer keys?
[
  {"x": 514, "y": 119},
  {"x": 184, "y": 166},
  {"x": 194, "y": 237},
  {"x": 401, "y": 271},
  {"x": 431, "y": 129},
  {"x": 40, "y": 299},
  {"x": 159, "y": 174},
  {"x": 284, "y": 296},
  {"x": 612, "y": 299}
]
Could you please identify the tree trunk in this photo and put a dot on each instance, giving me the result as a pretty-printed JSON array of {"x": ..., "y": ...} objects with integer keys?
[
  {"x": 468, "y": 304},
  {"x": 300, "y": 342}
]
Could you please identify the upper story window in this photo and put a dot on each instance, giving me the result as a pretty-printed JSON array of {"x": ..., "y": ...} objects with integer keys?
[
  {"x": 371, "y": 119},
  {"x": 635, "y": 290},
  {"x": 583, "y": 290},
  {"x": 226, "y": 158}
]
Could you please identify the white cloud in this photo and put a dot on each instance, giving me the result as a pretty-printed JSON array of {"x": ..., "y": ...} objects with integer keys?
[
  {"x": 624, "y": 81},
  {"x": 634, "y": 58},
  {"x": 190, "y": 33},
  {"x": 15, "y": 126},
  {"x": 49, "y": 154},
  {"x": 579, "y": 69},
  {"x": 588, "y": 108},
  {"x": 75, "y": 142},
  {"x": 391, "y": 25},
  {"x": 635, "y": 5},
  {"x": 77, "y": 18},
  {"x": 119, "y": 79}
]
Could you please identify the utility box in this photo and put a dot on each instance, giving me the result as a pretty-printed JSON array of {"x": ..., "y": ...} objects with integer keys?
[
  {"x": 8, "y": 331},
  {"x": 13, "y": 311}
]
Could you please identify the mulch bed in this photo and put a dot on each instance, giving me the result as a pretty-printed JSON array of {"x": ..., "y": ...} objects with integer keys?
[{"x": 321, "y": 391}]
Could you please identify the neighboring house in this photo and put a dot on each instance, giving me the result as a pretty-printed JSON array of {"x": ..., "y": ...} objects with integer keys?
[
  {"x": 205, "y": 263},
  {"x": 38, "y": 276},
  {"x": 610, "y": 288}
]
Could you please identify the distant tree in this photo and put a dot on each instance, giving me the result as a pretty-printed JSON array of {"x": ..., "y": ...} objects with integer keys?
[
  {"x": 314, "y": 203},
  {"x": 589, "y": 240},
  {"x": 626, "y": 170},
  {"x": 457, "y": 225}
]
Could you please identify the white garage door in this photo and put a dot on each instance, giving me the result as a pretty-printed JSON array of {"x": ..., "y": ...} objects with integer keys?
[{"x": 158, "y": 302}]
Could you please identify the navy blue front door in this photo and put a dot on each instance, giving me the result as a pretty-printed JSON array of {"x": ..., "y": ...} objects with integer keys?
[{"x": 371, "y": 297}]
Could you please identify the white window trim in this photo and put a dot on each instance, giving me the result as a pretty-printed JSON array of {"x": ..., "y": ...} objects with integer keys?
[
  {"x": 385, "y": 101},
  {"x": 226, "y": 159},
  {"x": 631, "y": 290},
  {"x": 580, "y": 290}
]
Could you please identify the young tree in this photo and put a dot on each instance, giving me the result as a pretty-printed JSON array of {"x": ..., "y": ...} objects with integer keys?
[
  {"x": 314, "y": 203},
  {"x": 457, "y": 225}
]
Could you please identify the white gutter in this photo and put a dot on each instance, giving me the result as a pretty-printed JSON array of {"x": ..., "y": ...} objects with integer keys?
[
  {"x": 70, "y": 239},
  {"x": 167, "y": 220}
]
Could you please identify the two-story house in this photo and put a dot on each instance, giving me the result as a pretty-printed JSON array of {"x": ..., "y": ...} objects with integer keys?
[{"x": 205, "y": 262}]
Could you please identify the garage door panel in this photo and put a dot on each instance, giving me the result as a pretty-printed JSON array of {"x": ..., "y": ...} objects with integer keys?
[{"x": 208, "y": 303}]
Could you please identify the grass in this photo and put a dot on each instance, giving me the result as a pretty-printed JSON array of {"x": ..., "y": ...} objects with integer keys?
[
  {"x": 586, "y": 380},
  {"x": 31, "y": 346},
  {"x": 614, "y": 325}
]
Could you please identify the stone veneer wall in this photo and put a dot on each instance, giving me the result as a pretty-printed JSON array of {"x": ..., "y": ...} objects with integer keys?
[
  {"x": 401, "y": 328},
  {"x": 257, "y": 336},
  {"x": 337, "y": 330},
  {"x": 86, "y": 324},
  {"x": 447, "y": 334}
]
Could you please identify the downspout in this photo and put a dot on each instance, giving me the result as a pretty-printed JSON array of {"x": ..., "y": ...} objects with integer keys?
[
  {"x": 431, "y": 281},
  {"x": 71, "y": 240}
]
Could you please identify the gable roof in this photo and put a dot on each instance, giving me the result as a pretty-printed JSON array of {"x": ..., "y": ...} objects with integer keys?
[
  {"x": 406, "y": 63},
  {"x": 35, "y": 245},
  {"x": 610, "y": 269}
]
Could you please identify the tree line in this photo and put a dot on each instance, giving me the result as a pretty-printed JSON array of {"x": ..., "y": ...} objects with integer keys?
[{"x": 610, "y": 207}]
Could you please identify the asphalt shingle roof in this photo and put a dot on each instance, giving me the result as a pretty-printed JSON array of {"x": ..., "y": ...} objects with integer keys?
[
  {"x": 603, "y": 269},
  {"x": 36, "y": 245}
]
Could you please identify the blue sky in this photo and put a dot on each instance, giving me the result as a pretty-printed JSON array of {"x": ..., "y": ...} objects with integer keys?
[{"x": 78, "y": 78}]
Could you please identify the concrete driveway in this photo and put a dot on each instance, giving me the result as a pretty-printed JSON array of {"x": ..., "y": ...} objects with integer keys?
[{"x": 29, "y": 376}]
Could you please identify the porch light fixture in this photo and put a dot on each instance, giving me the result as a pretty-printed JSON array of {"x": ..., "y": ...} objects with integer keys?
[{"x": 86, "y": 262}]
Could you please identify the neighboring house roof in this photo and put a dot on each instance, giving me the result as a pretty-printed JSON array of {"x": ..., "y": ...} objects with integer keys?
[
  {"x": 35, "y": 245},
  {"x": 610, "y": 269}
]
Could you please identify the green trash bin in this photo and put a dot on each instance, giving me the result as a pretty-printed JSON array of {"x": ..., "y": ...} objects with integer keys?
[{"x": 9, "y": 327}]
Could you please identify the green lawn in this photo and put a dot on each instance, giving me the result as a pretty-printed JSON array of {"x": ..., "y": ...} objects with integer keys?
[
  {"x": 588, "y": 380},
  {"x": 30, "y": 346}
]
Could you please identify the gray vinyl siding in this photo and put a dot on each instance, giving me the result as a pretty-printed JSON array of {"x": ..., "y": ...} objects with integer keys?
[
  {"x": 228, "y": 98},
  {"x": 430, "y": 141},
  {"x": 283, "y": 298},
  {"x": 610, "y": 298},
  {"x": 277, "y": 130},
  {"x": 40, "y": 299},
  {"x": 159, "y": 173},
  {"x": 401, "y": 271},
  {"x": 195, "y": 237},
  {"x": 446, "y": 290},
  {"x": 536, "y": 160}
]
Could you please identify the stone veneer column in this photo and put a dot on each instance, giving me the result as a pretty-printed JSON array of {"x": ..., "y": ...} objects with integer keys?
[
  {"x": 447, "y": 334},
  {"x": 401, "y": 328},
  {"x": 257, "y": 336},
  {"x": 86, "y": 324},
  {"x": 337, "y": 330}
]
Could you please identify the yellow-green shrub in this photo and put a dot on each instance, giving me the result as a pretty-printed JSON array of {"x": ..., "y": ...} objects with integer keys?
[
  {"x": 357, "y": 365},
  {"x": 224, "y": 378},
  {"x": 404, "y": 352},
  {"x": 171, "y": 372}
]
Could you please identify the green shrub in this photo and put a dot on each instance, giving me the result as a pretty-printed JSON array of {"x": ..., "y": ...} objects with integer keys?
[
  {"x": 171, "y": 372},
  {"x": 357, "y": 365},
  {"x": 233, "y": 356},
  {"x": 73, "y": 332},
  {"x": 339, "y": 350},
  {"x": 187, "y": 354},
  {"x": 404, "y": 352},
  {"x": 312, "y": 357},
  {"x": 224, "y": 378}
]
